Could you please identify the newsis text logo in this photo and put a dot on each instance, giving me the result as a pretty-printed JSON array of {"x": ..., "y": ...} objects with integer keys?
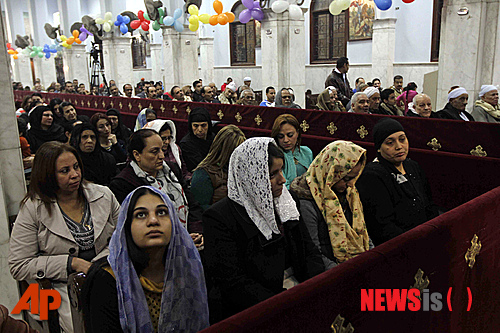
[{"x": 406, "y": 300}]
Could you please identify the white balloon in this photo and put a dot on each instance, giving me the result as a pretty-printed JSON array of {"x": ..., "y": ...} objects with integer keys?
[
  {"x": 279, "y": 6},
  {"x": 335, "y": 8},
  {"x": 106, "y": 27},
  {"x": 295, "y": 12}
]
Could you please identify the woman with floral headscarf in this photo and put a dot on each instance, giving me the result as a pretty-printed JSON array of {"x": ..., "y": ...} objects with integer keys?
[
  {"x": 153, "y": 279},
  {"x": 145, "y": 116},
  {"x": 330, "y": 203},
  {"x": 253, "y": 238}
]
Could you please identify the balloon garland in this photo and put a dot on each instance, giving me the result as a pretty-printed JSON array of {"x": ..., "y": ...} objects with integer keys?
[
  {"x": 142, "y": 22},
  {"x": 122, "y": 21},
  {"x": 173, "y": 21},
  {"x": 294, "y": 10},
  {"x": 220, "y": 18},
  {"x": 106, "y": 22}
]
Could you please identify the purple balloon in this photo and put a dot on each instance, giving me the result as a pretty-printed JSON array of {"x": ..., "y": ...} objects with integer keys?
[
  {"x": 247, "y": 3},
  {"x": 245, "y": 15},
  {"x": 257, "y": 14},
  {"x": 256, "y": 5}
]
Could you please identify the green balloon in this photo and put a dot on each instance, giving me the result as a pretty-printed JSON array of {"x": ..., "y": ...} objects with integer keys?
[
  {"x": 40, "y": 55},
  {"x": 161, "y": 12},
  {"x": 146, "y": 16},
  {"x": 156, "y": 26},
  {"x": 33, "y": 54}
]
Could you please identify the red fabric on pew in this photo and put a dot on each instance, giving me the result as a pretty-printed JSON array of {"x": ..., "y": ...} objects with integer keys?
[
  {"x": 453, "y": 174},
  {"x": 437, "y": 247}
]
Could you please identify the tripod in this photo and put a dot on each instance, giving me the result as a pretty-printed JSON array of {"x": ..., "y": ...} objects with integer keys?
[{"x": 96, "y": 68}]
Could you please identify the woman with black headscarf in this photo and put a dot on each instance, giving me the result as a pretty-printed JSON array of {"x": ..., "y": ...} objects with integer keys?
[
  {"x": 394, "y": 191},
  {"x": 196, "y": 144},
  {"x": 99, "y": 166},
  {"x": 43, "y": 129},
  {"x": 121, "y": 131}
]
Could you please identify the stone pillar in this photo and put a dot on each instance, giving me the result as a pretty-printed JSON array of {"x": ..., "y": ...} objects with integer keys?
[
  {"x": 207, "y": 59},
  {"x": 283, "y": 53},
  {"x": 118, "y": 64},
  {"x": 45, "y": 69},
  {"x": 469, "y": 48},
  {"x": 76, "y": 64},
  {"x": 383, "y": 47},
  {"x": 22, "y": 70},
  {"x": 157, "y": 63},
  {"x": 180, "y": 56},
  {"x": 12, "y": 184}
]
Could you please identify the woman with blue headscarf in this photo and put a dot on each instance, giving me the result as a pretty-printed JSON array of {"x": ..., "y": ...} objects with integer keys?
[
  {"x": 153, "y": 278},
  {"x": 144, "y": 117}
]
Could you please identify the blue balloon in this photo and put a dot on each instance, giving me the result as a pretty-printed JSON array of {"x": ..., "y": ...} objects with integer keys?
[
  {"x": 177, "y": 13},
  {"x": 178, "y": 26},
  {"x": 169, "y": 20},
  {"x": 126, "y": 19},
  {"x": 383, "y": 4},
  {"x": 123, "y": 28}
]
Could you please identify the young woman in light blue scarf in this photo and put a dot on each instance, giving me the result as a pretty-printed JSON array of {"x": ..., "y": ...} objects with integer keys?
[
  {"x": 286, "y": 133},
  {"x": 153, "y": 279}
]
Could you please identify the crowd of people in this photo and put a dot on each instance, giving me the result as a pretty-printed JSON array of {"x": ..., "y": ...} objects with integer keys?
[
  {"x": 370, "y": 98},
  {"x": 177, "y": 232}
]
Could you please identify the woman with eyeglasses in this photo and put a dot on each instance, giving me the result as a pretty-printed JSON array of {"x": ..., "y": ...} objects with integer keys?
[
  {"x": 172, "y": 152},
  {"x": 285, "y": 98},
  {"x": 327, "y": 100}
]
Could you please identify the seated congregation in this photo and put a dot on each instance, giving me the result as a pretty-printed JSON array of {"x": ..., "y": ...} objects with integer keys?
[
  {"x": 177, "y": 231},
  {"x": 176, "y": 235}
]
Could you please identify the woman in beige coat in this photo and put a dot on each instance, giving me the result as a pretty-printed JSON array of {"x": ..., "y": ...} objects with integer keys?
[{"x": 64, "y": 223}]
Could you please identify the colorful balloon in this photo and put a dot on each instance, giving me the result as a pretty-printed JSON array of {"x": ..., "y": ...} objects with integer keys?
[
  {"x": 106, "y": 22},
  {"x": 383, "y": 4},
  {"x": 217, "y": 6},
  {"x": 142, "y": 22}
]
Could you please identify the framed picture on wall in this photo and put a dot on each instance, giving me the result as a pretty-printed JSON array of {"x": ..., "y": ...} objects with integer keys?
[{"x": 361, "y": 16}]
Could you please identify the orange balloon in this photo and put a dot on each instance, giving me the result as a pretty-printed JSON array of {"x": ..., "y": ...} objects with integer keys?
[
  {"x": 11, "y": 51},
  {"x": 70, "y": 40},
  {"x": 218, "y": 6},
  {"x": 230, "y": 16},
  {"x": 78, "y": 41},
  {"x": 15, "y": 56},
  {"x": 213, "y": 20},
  {"x": 76, "y": 33},
  {"x": 222, "y": 19}
]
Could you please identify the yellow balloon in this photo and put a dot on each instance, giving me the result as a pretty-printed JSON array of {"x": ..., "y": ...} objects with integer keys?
[
  {"x": 194, "y": 26},
  {"x": 193, "y": 19},
  {"x": 193, "y": 10},
  {"x": 204, "y": 18},
  {"x": 63, "y": 38}
]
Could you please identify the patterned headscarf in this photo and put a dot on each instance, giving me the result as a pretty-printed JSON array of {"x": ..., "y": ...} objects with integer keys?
[
  {"x": 157, "y": 125},
  {"x": 248, "y": 184},
  {"x": 184, "y": 306},
  {"x": 334, "y": 162}
]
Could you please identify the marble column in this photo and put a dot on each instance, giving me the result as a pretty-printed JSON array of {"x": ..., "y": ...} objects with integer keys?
[
  {"x": 283, "y": 53},
  {"x": 383, "y": 47},
  {"x": 12, "y": 184},
  {"x": 180, "y": 56},
  {"x": 207, "y": 59},
  {"x": 76, "y": 64},
  {"x": 22, "y": 70},
  {"x": 45, "y": 69},
  {"x": 469, "y": 48},
  {"x": 118, "y": 65},
  {"x": 157, "y": 63}
]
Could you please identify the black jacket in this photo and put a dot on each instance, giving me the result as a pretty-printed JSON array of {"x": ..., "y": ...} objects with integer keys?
[
  {"x": 449, "y": 112},
  {"x": 344, "y": 91},
  {"x": 127, "y": 181},
  {"x": 393, "y": 205},
  {"x": 243, "y": 267}
]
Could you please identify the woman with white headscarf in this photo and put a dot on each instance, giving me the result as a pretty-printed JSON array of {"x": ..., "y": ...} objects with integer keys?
[
  {"x": 486, "y": 109},
  {"x": 455, "y": 108},
  {"x": 253, "y": 238},
  {"x": 285, "y": 99},
  {"x": 172, "y": 152}
]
